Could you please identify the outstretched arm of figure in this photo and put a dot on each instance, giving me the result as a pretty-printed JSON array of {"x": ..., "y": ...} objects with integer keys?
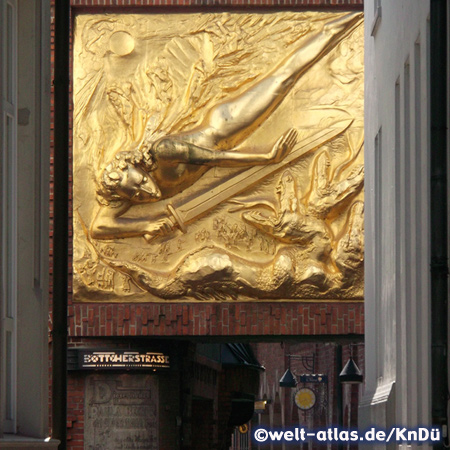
[
  {"x": 173, "y": 151},
  {"x": 229, "y": 123},
  {"x": 110, "y": 223}
]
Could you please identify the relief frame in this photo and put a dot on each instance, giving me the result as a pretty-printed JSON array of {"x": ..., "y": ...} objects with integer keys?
[{"x": 218, "y": 157}]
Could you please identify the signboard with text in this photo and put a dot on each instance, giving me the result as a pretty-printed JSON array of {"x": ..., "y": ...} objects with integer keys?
[{"x": 88, "y": 359}]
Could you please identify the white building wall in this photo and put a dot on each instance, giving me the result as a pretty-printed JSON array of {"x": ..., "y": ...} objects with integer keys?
[
  {"x": 397, "y": 386},
  {"x": 24, "y": 220}
]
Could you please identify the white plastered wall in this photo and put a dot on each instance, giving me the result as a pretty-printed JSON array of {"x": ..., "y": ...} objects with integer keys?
[
  {"x": 31, "y": 406},
  {"x": 397, "y": 379},
  {"x": 33, "y": 215}
]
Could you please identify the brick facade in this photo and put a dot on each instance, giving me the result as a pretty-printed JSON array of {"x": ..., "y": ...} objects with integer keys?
[
  {"x": 115, "y": 325},
  {"x": 220, "y": 319}
]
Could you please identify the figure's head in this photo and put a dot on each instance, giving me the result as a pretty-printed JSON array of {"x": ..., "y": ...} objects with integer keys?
[{"x": 127, "y": 178}]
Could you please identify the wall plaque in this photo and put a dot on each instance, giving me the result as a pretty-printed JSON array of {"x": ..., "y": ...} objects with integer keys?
[
  {"x": 218, "y": 157},
  {"x": 121, "y": 412}
]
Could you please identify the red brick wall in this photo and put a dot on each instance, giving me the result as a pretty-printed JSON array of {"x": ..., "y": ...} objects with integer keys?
[
  {"x": 75, "y": 411},
  {"x": 219, "y": 319}
]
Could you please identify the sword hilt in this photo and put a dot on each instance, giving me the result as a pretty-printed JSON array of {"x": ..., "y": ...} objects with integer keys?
[
  {"x": 177, "y": 218},
  {"x": 174, "y": 217}
]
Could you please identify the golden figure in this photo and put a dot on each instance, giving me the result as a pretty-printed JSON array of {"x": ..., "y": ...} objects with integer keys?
[
  {"x": 161, "y": 169},
  {"x": 155, "y": 175},
  {"x": 168, "y": 167}
]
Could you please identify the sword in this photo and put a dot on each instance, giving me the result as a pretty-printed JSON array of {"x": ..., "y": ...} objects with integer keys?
[{"x": 184, "y": 213}]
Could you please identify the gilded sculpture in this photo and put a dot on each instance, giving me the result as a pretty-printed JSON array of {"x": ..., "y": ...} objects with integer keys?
[{"x": 218, "y": 157}]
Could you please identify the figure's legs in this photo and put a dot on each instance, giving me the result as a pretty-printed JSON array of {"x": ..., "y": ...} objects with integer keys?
[{"x": 229, "y": 123}]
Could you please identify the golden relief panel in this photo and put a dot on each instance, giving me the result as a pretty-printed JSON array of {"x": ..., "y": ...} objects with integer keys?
[{"x": 218, "y": 157}]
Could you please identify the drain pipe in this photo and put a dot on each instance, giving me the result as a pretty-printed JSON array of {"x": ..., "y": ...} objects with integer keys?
[
  {"x": 439, "y": 212},
  {"x": 60, "y": 220}
]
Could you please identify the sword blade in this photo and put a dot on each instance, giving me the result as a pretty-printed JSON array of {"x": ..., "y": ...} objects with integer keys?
[{"x": 203, "y": 203}]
